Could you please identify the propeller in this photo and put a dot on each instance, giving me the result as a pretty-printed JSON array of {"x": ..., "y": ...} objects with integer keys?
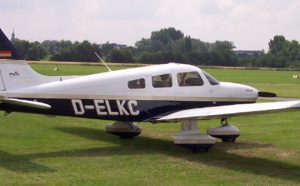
[{"x": 267, "y": 94}]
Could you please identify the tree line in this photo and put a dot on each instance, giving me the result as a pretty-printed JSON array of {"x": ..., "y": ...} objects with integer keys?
[{"x": 163, "y": 46}]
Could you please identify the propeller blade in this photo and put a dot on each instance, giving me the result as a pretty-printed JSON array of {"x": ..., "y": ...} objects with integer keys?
[{"x": 267, "y": 94}]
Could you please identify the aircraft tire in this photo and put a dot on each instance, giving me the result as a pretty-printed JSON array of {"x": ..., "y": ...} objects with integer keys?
[
  {"x": 195, "y": 148},
  {"x": 228, "y": 140}
]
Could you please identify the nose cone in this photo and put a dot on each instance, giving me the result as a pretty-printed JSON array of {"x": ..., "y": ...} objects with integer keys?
[{"x": 239, "y": 91}]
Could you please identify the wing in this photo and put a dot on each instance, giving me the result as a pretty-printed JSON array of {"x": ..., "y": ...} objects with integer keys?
[{"x": 229, "y": 111}]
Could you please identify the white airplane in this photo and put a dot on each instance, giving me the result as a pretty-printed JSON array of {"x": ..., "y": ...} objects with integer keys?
[{"x": 159, "y": 93}]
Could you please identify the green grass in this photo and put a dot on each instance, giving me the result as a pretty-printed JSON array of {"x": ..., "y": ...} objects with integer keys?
[
  {"x": 255, "y": 76},
  {"x": 65, "y": 69},
  {"x": 279, "y": 82},
  {"x": 37, "y": 150}
]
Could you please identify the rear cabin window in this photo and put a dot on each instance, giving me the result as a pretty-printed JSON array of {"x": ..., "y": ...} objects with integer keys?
[
  {"x": 187, "y": 79},
  {"x": 162, "y": 81},
  {"x": 137, "y": 84}
]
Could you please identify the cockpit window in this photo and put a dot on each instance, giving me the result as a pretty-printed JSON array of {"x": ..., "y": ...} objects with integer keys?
[
  {"x": 136, "y": 84},
  {"x": 211, "y": 79},
  {"x": 189, "y": 79},
  {"x": 163, "y": 80}
]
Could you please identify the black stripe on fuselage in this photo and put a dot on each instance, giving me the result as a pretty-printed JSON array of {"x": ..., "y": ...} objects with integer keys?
[{"x": 119, "y": 110}]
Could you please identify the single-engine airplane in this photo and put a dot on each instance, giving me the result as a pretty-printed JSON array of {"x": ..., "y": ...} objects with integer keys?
[{"x": 159, "y": 93}]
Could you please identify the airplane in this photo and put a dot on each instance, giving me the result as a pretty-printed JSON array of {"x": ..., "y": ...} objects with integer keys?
[{"x": 159, "y": 93}]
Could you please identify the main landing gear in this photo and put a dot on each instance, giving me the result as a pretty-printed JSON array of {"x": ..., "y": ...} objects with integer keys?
[
  {"x": 226, "y": 132},
  {"x": 190, "y": 138},
  {"x": 126, "y": 130}
]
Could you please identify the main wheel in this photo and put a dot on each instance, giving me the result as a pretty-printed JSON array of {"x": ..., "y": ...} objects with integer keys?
[
  {"x": 228, "y": 140},
  {"x": 199, "y": 150}
]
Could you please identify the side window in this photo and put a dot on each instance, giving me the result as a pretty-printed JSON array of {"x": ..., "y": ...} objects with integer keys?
[
  {"x": 163, "y": 80},
  {"x": 186, "y": 79},
  {"x": 137, "y": 84},
  {"x": 211, "y": 79}
]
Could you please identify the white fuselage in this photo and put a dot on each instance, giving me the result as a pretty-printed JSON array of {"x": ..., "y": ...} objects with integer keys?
[{"x": 128, "y": 92}]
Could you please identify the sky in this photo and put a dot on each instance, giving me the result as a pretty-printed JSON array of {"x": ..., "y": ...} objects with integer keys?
[{"x": 249, "y": 24}]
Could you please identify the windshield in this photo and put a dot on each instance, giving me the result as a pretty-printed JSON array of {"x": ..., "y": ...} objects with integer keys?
[{"x": 211, "y": 79}]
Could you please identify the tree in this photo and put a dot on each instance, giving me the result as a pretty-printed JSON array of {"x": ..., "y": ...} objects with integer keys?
[
  {"x": 195, "y": 57},
  {"x": 63, "y": 51},
  {"x": 166, "y": 45},
  {"x": 122, "y": 55},
  {"x": 143, "y": 45},
  {"x": 36, "y": 51},
  {"x": 221, "y": 46},
  {"x": 165, "y": 39},
  {"x": 146, "y": 57},
  {"x": 188, "y": 44},
  {"x": 167, "y": 35},
  {"x": 292, "y": 50},
  {"x": 65, "y": 54},
  {"x": 284, "y": 52},
  {"x": 230, "y": 59},
  {"x": 198, "y": 45},
  {"x": 106, "y": 48},
  {"x": 128, "y": 55},
  {"x": 157, "y": 45},
  {"x": 277, "y": 45},
  {"x": 30, "y": 51},
  {"x": 22, "y": 46},
  {"x": 52, "y": 46},
  {"x": 84, "y": 51}
]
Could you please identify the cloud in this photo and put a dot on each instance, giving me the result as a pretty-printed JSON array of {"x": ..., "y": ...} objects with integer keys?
[{"x": 249, "y": 24}]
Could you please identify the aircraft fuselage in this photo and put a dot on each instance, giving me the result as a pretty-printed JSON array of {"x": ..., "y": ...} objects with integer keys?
[{"x": 136, "y": 94}]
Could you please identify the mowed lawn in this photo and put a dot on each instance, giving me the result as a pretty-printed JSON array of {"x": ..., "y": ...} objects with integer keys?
[
  {"x": 280, "y": 82},
  {"x": 38, "y": 150}
]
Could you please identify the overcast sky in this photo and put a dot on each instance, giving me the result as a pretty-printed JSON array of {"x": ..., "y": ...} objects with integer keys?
[{"x": 249, "y": 24}]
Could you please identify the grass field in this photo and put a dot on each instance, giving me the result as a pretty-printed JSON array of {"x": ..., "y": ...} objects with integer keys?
[
  {"x": 37, "y": 150},
  {"x": 280, "y": 82}
]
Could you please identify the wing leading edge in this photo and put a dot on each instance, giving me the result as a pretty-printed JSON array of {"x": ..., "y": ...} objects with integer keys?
[{"x": 229, "y": 111}]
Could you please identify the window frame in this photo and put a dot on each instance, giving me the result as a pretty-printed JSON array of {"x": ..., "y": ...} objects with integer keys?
[
  {"x": 182, "y": 78},
  {"x": 162, "y": 81},
  {"x": 139, "y": 83}
]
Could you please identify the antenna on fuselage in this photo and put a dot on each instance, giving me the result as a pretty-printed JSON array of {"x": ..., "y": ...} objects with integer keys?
[{"x": 103, "y": 62}]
